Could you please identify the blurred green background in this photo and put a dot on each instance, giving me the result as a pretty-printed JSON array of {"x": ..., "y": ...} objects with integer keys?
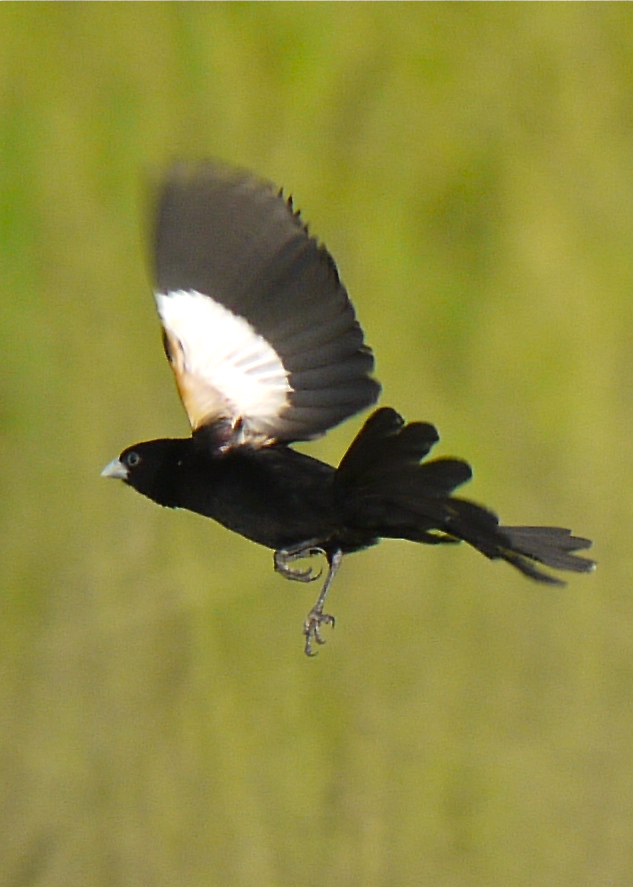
[{"x": 470, "y": 168}]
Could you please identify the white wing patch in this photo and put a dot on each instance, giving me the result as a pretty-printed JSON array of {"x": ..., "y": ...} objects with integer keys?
[{"x": 223, "y": 367}]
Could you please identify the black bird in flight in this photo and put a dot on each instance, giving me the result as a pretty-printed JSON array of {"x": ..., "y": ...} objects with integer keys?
[{"x": 266, "y": 350}]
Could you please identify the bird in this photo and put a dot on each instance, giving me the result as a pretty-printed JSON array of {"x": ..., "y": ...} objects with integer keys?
[{"x": 267, "y": 352}]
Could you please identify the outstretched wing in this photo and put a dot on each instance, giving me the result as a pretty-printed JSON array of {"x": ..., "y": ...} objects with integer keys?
[{"x": 258, "y": 327}]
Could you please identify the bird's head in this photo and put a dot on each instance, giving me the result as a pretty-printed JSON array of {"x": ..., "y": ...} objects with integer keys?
[{"x": 146, "y": 466}]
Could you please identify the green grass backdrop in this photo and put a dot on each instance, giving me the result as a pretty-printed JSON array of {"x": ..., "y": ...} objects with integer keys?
[{"x": 470, "y": 167}]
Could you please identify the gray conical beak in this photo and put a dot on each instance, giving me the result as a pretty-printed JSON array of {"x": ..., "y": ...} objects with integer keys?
[{"x": 116, "y": 468}]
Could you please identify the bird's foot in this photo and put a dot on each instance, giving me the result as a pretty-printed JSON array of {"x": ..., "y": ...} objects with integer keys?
[
  {"x": 312, "y": 628},
  {"x": 284, "y": 557}
]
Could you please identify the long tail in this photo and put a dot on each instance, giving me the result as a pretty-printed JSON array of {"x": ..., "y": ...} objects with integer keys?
[{"x": 383, "y": 488}]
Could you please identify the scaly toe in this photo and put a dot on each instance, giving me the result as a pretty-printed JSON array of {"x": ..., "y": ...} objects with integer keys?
[
  {"x": 312, "y": 629},
  {"x": 308, "y": 575},
  {"x": 283, "y": 559}
]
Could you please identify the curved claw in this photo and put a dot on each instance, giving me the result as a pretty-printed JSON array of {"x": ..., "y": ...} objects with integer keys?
[
  {"x": 312, "y": 629},
  {"x": 285, "y": 556},
  {"x": 298, "y": 575}
]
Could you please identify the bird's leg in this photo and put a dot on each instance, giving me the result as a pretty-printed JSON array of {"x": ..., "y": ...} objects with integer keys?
[
  {"x": 284, "y": 557},
  {"x": 316, "y": 617}
]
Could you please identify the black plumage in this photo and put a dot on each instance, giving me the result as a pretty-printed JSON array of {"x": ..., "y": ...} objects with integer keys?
[{"x": 266, "y": 350}]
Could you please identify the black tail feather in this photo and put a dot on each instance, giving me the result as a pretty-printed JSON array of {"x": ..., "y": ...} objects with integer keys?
[
  {"x": 523, "y": 547},
  {"x": 552, "y": 546},
  {"x": 384, "y": 444},
  {"x": 387, "y": 491},
  {"x": 384, "y": 458}
]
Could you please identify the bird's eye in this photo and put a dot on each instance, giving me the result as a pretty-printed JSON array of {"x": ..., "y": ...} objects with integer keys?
[{"x": 132, "y": 459}]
